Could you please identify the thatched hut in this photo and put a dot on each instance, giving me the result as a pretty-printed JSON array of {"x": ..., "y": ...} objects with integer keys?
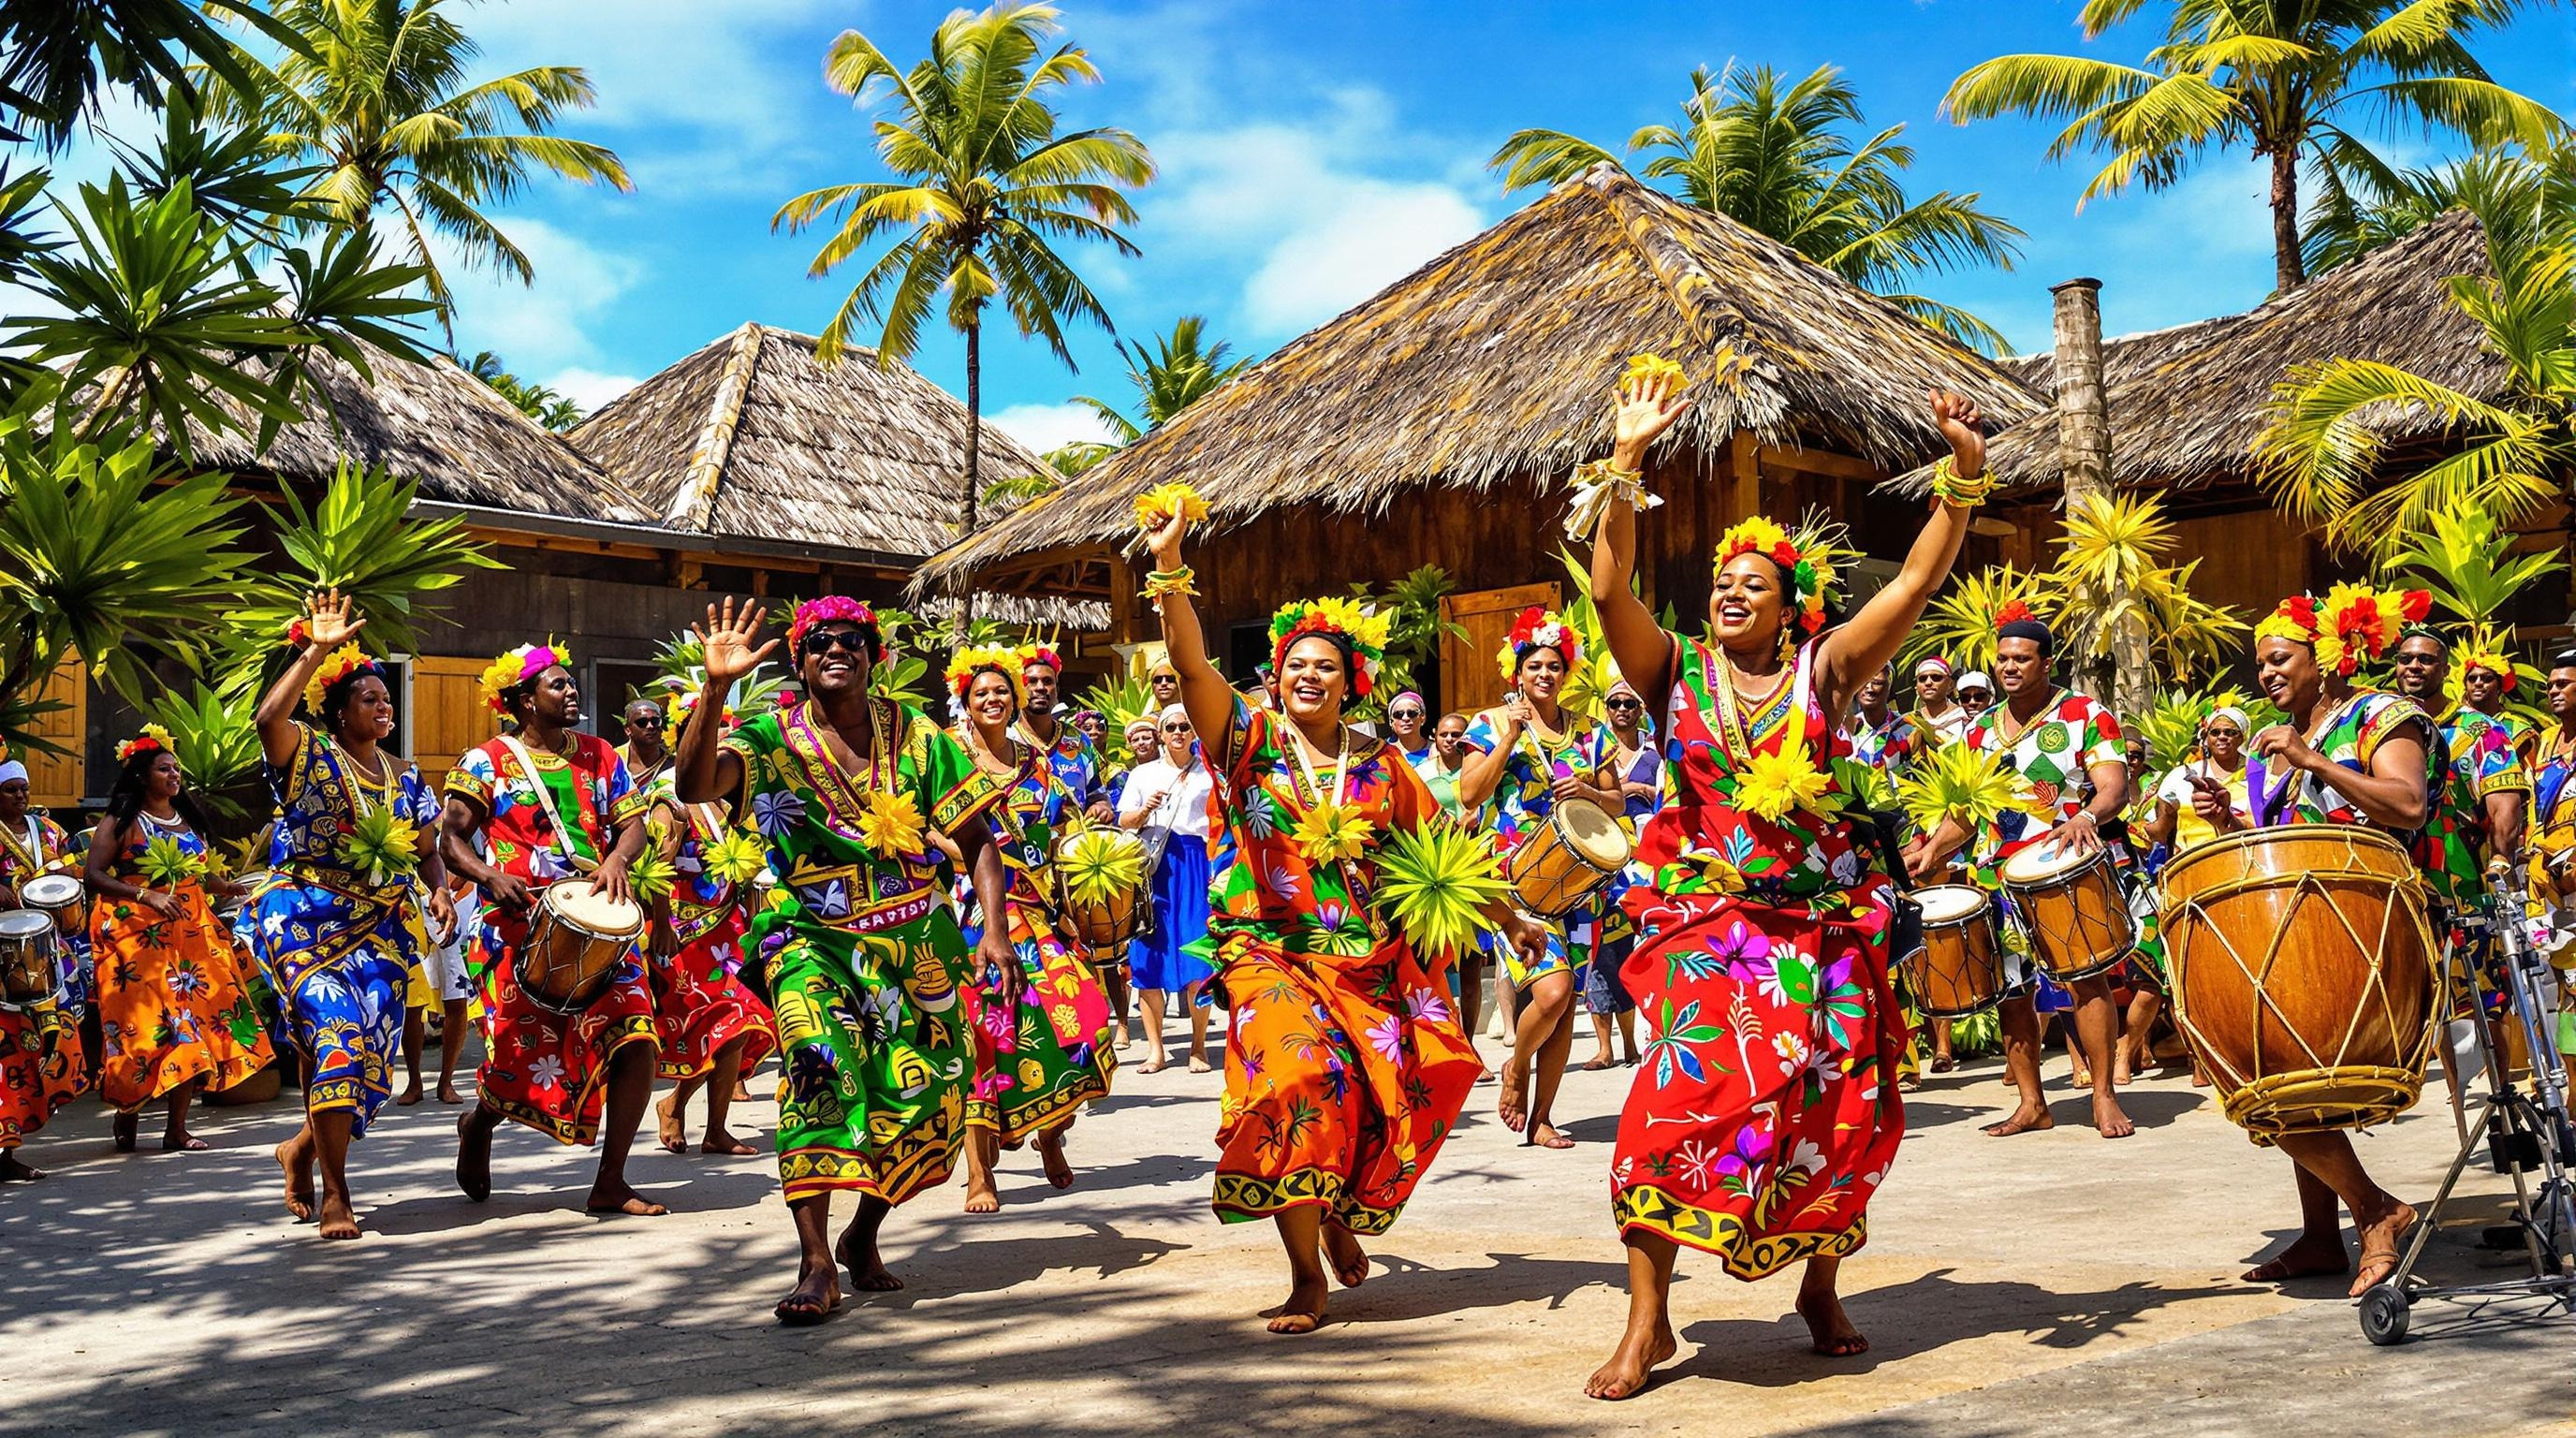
[
  {"x": 1435, "y": 423},
  {"x": 2187, "y": 404}
]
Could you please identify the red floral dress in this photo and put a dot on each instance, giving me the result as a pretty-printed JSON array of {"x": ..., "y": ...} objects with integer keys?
[
  {"x": 1346, "y": 1067},
  {"x": 1764, "y": 1112},
  {"x": 700, "y": 1003},
  {"x": 545, "y": 1069}
]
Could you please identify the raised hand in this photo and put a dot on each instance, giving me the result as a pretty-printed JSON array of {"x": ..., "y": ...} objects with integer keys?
[
  {"x": 1964, "y": 428},
  {"x": 330, "y": 621},
  {"x": 1644, "y": 408},
  {"x": 1163, "y": 541},
  {"x": 726, "y": 642}
]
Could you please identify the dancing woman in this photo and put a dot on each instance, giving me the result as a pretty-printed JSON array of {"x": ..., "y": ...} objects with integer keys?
[
  {"x": 1345, "y": 1068},
  {"x": 40, "y": 1047},
  {"x": 175, "y": 1013},
  {"x": 846, "y": 791},
  {"x": 338, "y": 920},
  {"x": 1764, "y": 1111},
  {"x": 2345, "y": 755},
  {"x": 1042, "y": 1048},
  {"x": 1529, "y": 755}
]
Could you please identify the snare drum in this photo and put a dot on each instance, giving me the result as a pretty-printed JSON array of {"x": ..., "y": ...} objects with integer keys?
[
  {"x": 61, "y": 895},
  {"x": 1562, "y": 864},
  {"x": 28, "y": 975},
  {"x": 1960, "y": 968},
  {"x": 2073, "y": 908},
  {"x": 577, "y": 938}
]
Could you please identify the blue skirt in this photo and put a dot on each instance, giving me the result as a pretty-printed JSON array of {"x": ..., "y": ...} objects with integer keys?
[{"x": 1156, "y": 961}]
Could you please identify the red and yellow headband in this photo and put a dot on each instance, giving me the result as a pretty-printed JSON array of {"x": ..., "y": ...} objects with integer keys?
[
  {"x": 1538, "y": 629},
  {"x": 153, "y": 738},
  {"x": 518, "y": 667},
  {"x": 1363, "y": 631},
  {"x": 2499, "y": 665},
  {"x": 2352, "y": 623},
  {"x": 1002, "y": 660},
  {"x": 343, "y": 662},
  {"x": 1805, "y": 557}
]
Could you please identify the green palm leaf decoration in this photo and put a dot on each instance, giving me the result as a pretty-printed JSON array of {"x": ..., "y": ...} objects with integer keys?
[
  {"x": 2466, "y": 561},
  {"x": 1100, "y": 864},
  {"x": 1120, "y": 701},
  {"x": 382, "y": 847},
  {"x": 1961, "y": 623},
  {"x": 651, "y": 878},
  {"x": 166, "y": 864},
  {"x": 1434, "y": 882},
  {"x": 363, "y": 540},
  {"x": 216, "y": 736},
  {"x": 1963, "y": 782}
]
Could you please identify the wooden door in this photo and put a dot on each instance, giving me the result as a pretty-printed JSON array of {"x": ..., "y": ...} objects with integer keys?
[
  {"x": 54, "y": 781},
  {"x": 1469, "y": 678},
  {"x": 448, "y": 713}
]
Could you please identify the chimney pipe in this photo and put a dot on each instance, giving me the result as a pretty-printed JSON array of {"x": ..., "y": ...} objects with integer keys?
[{"x": 2083, "y": 417}]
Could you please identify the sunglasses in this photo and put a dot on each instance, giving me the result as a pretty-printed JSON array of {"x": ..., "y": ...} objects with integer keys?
[
  {"x": 1176, "y": 728},
  {"x": 644, "y": 723},
  {"x": 1623, "y": 703},
  {"x": 2217, "y": 732},
  {"x": 1404, "y": 713},
  {"x": 854, "y": 641}
]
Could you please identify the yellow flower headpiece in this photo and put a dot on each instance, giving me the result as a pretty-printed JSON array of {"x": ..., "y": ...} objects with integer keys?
[
  {"x": 1364, "y": 629},
  {"x": 152, "y": 737},
  {"x": 518, "y": 667},
  {"x": 1806, "y": 556},
  {"x": 2352, "y": 623},
  {"x": 344, "y": 661},
  {"x": 2499, "y": 665},
  {"x": 970, "y": 661},
  {"x": 1163, "y": 500}
]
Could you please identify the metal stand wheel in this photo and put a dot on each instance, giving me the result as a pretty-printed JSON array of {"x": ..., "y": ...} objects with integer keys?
[{"x": 2383, "y": 1314}]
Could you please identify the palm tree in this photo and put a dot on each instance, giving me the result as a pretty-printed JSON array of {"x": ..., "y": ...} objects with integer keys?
[
  {"x": 2289, "y": 79},
  {"x": 543, "y": 403},
  {"x": 1779, "y": 157},
  {"x": 984, "y": 183},
  {"x": 1182, "y": 369},
  {"x": 2508, "y": 455},
  {"x": 375, "y": 95},
  {"x": 2347, "y": 221}
]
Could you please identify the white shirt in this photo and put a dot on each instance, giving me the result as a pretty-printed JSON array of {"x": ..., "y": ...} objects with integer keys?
[{"x": 1184, "y": 810}]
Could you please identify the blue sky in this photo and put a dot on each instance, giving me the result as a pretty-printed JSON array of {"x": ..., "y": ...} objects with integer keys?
[{"x": 1310, "y": 153}]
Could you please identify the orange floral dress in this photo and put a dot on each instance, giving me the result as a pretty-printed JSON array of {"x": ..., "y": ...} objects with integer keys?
[{"x": 173, "y": 1001}]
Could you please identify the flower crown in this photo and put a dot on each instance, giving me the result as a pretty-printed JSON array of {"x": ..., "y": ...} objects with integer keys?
[
  {"x": 518, "y": 667},
  {"x": 1035, "y": 654},
  {"x": 152, "y": 737},
  {"x": 1365, "y": 631},
  {"x": 836, "y": 609},
  {"x": 2352, "y": 623},
  {"x": 2499, "y": 665},
  {"x": 1807, "y": 557},
  {"x": 969, "y": 662},
  {"x": 345, "y": 661},
  {"x": 1538, "y": 629}
]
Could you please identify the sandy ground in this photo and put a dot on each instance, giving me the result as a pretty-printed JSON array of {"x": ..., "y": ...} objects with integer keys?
[{"x": 2048, "y": 1284}]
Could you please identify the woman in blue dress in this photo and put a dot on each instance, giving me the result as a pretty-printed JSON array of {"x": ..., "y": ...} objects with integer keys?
[
  {"x": 339, "y": 931},
  {"x": 1167, "y": 802}
]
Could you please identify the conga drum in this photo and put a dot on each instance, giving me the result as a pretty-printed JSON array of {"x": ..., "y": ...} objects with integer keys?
[
  {"x": 1960, "y": 968},
  {"x": 1104, "y": 924},
  {"x": 1557, "y": 868},
  {"x": 61, "y": 895},
  {"x": 2304, "y": 975},
  {"x": 2072, "y": 907},
  {"x": 28, "y": 974},
  {"x": 577, "y": 937}
]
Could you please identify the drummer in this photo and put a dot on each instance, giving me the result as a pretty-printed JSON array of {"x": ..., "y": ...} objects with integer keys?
[
  {"x": 40, "y": 1047},
  {"x": 32, "y": 845},
  {"x": 525, "y": 811},
  {"x": 2346, "y": 756},
  {"x": 2068, "y": 747},
  {"x": 1525, "y": 755}
]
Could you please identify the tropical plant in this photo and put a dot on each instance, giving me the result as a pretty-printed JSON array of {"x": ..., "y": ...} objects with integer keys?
[
  {"x": 214, "y": 733},
  {"x": 1182, "y": 369},
  {"x": 2119, "y": 602},
  {"x": 543, "y": 403},
  {"x": 1780, "y": 156},
  {"x": 1074, "y": 457},
  {"x": 362, "y": 540},
  {"x": 374, "y": 92},
  {"x": 2466, "y": 561},
  {"x": 985, "y": 186},
  {"x": 1119, "y": 699},
  {"x": 1005, "y": 494},
  {"x": 910, "y": 645},
  {"x": 57, "y": 55},
  {"x": 2324, "y": 448},
  {"x": 1960, "y": 624},
  {"x": 2297, "y": 82},
  {"x": 1414, "y": 632},
  {"x": 2352, "y": 216}
]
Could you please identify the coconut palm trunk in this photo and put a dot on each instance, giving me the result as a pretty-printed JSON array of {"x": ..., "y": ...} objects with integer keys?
[
  {"x": 965, "y": 617},
  {"x": 2289, "y": 271}
]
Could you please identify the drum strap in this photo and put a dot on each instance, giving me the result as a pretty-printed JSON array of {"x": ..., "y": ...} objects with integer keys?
[{"x": 546, "y": 800}]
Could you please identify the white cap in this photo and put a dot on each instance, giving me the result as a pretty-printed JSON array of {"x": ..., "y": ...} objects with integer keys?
[{"x": 1975, "y": 679}]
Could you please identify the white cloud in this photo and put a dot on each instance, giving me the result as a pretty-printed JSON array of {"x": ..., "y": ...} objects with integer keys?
[
  {"x": 589, "y": 388},
  {"x": 1042, "y": 427},
  {"x": 1367, "y": 235},
  {"x": 545, "y": 326}
]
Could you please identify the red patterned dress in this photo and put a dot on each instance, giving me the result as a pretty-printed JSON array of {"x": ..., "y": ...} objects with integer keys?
[
  {"x": 700, "y": 1003},
  {"x": 1764, "y": 1112},
  {"x": 545, "y": 1069},
  {"x": 41, "y": 1066},
  {"x": 1346, "y": 1067}
]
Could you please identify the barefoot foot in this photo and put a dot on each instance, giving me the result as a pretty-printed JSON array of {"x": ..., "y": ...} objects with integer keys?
[
  {"x": 297, "y": 1161},
  {"x": 1545, "y": 1135},
  {"x": 1304, "y": 1310},
  {"x": 1829, "y": 1329},
  {"x": 2109, "y": 1119},
  {"x": 474, "y": 1155},
  {"x": 723, "y": 1144},
  {"x": 12, "y": 1170},
  {"x": 673, "y": 1134},
  {"x": 817, "y": 1296},
  {"x": 1640, "y": 1352},
  {"x": 868, "y": 1272},
  {"x": 447, "y": 1094},
  {"x": 981, "y": 1196},
  {"x": 2026, "y": 1119},
  {"x": 124, "y": 1128},
  {"x": 617, "y": 1200},
  {"x": 1513, "y": 1103},
  {"x": 1059, "y": 1172},
  {"x": 1350, "y": 1262},
  {"x": 410, "y": 1095},
  {"x": 179, "y": 1140},
  {"x": 339, "y": 1221}
]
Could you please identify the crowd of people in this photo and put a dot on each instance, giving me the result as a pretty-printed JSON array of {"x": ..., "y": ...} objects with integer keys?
[{"x": 865, "y": 891}]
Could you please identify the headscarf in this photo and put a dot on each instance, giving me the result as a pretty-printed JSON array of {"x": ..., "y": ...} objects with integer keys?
[
  {"x": 518, "y": 667},
  {"x": 1934, "y": 661},
  {"x": 2230, "y": 711},
  {"x": 11, "y": 769}
]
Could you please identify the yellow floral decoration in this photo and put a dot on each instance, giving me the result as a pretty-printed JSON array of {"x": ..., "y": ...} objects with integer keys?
[
  {"x": 1331, "y": 833},
  {"x": 891, "y": 825},
  {"x": 1775, "y": 783},
  {"x": 1164, "y": 500}
]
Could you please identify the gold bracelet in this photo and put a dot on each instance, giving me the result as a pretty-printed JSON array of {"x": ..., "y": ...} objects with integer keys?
[
  {"x": 1950, "y": 488},
  {"x": 1161, "y": 582},
  {"x": 1627, "y": 482}
]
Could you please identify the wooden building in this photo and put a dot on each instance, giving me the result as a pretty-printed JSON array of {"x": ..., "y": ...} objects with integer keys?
[{"x": 1436, "y": 423}]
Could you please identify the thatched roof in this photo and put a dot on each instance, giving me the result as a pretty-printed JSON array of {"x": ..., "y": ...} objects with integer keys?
[
  {"x": 432, "y": 422},
  {"x": 1494, "y": 359},
  {"x": 2187, "y": 403},
  {"x": 752, "y": 436}
]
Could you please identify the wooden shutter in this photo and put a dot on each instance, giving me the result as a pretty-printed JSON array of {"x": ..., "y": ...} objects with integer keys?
[
  {"x": 54, "y": 780},
  {"x": 1469, "y": 678},
  {"x": 448, "y": 713}
]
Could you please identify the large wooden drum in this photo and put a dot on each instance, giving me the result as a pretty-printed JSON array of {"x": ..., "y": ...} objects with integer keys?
[
  {"x": 1960, "y": 968},
  {"x": 29, "y": 974},
  {"x": 2304, "y": 975},
  {"x": 1556, "y": 869},
  {"x": 577, "y": 937},
  {"x": 2073, "y": 908},
  {"x": 1106, "y": 925}
]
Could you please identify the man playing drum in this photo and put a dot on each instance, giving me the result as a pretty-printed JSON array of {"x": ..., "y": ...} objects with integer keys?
[
  {"x": 2346, "y": 756},
  {"x": 524, "y": 812},
  {"x": 2067, "y": 746}
]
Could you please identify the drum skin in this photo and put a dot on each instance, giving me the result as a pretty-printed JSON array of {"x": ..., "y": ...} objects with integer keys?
[
  {"x": 28, "y": 975},
  {"x": 2078, "y": 920},
  {"x": 1960, "y": 969},
  {"x": 2304, "y": 975}
]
